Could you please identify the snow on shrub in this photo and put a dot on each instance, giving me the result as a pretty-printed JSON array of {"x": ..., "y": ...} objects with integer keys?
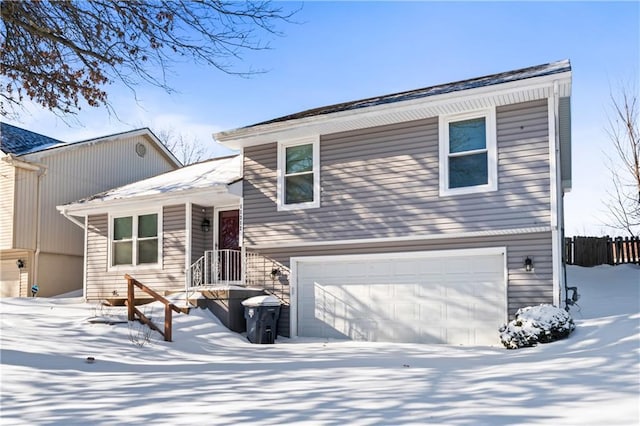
[{"x": 536, "y": 324}]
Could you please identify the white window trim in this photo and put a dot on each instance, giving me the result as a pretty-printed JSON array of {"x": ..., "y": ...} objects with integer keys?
[
  {"x": 282, "y": 158},
  {"x": 134, "y": 213},
  {"x": 489, "y": 115}
]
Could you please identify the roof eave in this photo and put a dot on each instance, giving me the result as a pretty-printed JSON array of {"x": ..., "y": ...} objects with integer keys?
[
  {"x": 114, "y": 137},
  {"x": 101, "y": 205},
  {"x": 384, "y": 113}
]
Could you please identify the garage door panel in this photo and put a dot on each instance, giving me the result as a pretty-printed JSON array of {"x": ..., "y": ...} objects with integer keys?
[
  {"x": 453, "y": 299},
  {"x": 9, "y": 278},
  {"x": 430, "y": 312}
]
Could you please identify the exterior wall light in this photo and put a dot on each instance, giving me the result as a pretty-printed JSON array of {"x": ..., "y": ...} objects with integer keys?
[
  {"x": 205, "y": 225},
  {"x": 528, "y": 264},
  {"x": 20, "y": 263},
  {"x": 275, "y": 272}
]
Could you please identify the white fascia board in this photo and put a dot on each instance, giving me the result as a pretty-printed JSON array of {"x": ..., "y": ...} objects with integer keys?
[
  {"x": 537, "y": 87},
  {"x": 409, "y": 238},
  {"x": 198, "y": 196},
  {"x": 482, "y": 251},
  {"x": 23, "y": 163},
  {"x": 72, "y": 146}
]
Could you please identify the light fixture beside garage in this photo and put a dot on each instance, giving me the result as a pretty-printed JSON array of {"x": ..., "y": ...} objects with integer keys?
[
  {"x": 528, "y": 264},
  {"x": 20, "y": 263},
  {"x": 275, "y": 273}
]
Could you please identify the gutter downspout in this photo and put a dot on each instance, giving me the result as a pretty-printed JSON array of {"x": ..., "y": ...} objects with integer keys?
[
  {"x": 41, "y": 171},
  {"x": 557, "y": 225}
]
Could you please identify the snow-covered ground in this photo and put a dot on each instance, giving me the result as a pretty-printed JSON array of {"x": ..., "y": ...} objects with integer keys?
[{"x": 210, "y": 375}]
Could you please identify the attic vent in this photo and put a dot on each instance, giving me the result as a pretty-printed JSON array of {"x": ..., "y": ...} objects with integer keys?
[{"x": 141, "y": 150}]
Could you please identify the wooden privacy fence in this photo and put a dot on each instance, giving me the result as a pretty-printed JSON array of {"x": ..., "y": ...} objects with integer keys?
[
  {"x": 132, "y": 311},
  {"x": 593, "y": 251}
]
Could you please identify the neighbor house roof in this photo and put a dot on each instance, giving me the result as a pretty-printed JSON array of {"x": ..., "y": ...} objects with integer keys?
[
  {"x": 529, "y": 83},
  {"x": 17, "y": 141},
  {"x": 191, "y": 182}
]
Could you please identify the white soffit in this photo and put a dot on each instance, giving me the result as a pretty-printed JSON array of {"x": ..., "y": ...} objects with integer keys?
[{"x": 398, "y": 112}]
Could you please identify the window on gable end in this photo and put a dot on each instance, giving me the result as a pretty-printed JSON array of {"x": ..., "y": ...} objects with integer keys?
[
  {"x": 299, "y": 174},
  {"x": 468, "y": 153}
]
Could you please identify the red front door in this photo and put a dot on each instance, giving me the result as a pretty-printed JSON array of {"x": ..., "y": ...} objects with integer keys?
[{"x": 229, "y": 259}]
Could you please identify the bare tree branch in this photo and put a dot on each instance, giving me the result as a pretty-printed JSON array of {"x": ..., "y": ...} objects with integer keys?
[
  {"x": 62, "y": 53},
  {"x": 624, "y": 201},
  {"x": 188, "y": 151}
]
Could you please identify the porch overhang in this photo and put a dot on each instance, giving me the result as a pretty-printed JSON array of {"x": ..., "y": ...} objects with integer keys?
[{"x": 206, "y": 197}]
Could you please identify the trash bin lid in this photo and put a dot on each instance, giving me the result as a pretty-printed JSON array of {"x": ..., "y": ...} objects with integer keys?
[{"x": 261, "y": 301}]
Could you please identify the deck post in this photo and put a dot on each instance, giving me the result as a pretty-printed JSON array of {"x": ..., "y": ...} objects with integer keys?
[
  {"x": 130, "y": 299},
  {"x": 167, "y": 322}
]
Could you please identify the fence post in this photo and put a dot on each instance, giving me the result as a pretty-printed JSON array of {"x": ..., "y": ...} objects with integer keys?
[
  {"x": 167, "y": 322},
  {"x": 130, "y": 299}
]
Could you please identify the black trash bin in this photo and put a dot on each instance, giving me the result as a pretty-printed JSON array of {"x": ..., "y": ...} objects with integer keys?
[{"x": 261, "y": 313}]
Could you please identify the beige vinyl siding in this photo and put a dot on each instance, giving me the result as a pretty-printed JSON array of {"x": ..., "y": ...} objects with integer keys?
[
  {"x": 384, "y": 182},
  {"x": 26, "y": 208},
  {"x": 15, "y": 282},
  {"x": 524, "y": 288},
  {"x": 102, "y": 282},
  {"x": 59, "y": 273},
  {"x": 84, "y": 171},
  {"x": 200, "y": 241},
  {"x": 7, "y": 187}
]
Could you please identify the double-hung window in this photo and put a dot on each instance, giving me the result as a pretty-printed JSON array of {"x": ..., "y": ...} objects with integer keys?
[
  {"x": 468, "y": 153},
  {"x": 135, "y": 240},
  {"x": 299, "y": 174}
]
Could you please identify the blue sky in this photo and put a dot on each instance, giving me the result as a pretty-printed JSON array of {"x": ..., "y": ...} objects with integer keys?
[{"x": 343, "y": 51}]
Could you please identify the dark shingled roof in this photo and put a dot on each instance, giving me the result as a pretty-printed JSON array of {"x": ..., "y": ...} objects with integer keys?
[
  {"x": 489, "y": 80},
  {"x": 17, "y": 141}
]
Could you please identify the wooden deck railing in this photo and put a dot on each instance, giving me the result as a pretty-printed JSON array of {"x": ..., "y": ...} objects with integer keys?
[{"x": 132, "y": 311}]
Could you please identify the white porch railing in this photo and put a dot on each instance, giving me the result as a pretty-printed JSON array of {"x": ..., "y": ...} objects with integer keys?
[{"x": 218, "y": 267}]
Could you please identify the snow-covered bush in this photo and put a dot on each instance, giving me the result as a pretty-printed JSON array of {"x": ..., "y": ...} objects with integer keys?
[{"x": 536, "y": 324}]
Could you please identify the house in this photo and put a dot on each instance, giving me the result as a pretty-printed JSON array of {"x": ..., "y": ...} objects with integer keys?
[
  {"x": 37, "y": 173},
  {"x": 170, "y": 231},
  {"x": 430, "y": 215}
]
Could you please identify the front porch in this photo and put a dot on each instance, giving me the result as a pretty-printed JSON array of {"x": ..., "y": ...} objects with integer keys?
[
  {"x": 224, "y": 269},
  {"x": 223, "y": 278}
]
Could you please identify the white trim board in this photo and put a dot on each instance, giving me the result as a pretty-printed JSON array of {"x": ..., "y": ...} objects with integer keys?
[
  {"x": 430, "y": 106},
  {"x": 416, "y": 237}
]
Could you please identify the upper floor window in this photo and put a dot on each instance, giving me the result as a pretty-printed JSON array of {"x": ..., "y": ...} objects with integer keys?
[
  {"x": 299, "y": 174},
  {"x": 134, "y": 240},
  {"x": 468, "y": 153}
]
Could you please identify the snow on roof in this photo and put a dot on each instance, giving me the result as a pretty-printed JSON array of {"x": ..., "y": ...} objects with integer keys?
[
  {"x": 488, "y": 80},
  {"x": 17, "y": 141},
  {"x": 206, "y": 174}
]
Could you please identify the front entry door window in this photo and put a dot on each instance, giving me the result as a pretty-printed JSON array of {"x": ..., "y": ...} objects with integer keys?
[{"x": 229, "y": 259}]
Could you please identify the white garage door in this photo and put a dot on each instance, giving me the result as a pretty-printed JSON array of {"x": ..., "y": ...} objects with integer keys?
[
  {"x": 455, "y": 297},
  {"x": 9, "y": 278}
]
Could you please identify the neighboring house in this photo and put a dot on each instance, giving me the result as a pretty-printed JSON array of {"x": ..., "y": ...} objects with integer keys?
[
  {"x": 37, "y": 173},
  {"x": 425, "y": 216},
  {"x": 163, "y": 230}
]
